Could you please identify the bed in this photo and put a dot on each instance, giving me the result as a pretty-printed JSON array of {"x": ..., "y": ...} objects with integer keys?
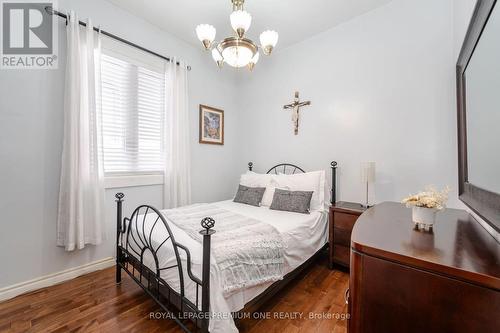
[{"x": 180, "y": 273}]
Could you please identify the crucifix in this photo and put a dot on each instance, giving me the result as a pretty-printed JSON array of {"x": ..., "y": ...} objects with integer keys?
[{"x": 295, "y": 110}]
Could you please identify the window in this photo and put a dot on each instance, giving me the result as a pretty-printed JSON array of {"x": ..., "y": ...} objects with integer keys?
[{"x": 133, "y": 106}]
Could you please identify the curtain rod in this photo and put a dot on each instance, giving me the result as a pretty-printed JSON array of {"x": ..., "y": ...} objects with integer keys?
[{"x": 51, "y": 11}]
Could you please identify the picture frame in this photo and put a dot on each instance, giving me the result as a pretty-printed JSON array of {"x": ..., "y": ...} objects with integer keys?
[{"x": 211, "y": 125}]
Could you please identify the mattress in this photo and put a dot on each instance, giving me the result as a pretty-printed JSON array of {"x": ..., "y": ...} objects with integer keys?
[{"x": 303, "y": 234}]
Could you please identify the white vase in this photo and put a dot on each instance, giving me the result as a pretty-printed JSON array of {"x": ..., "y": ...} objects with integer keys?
[{"x": 423, "y": 215}]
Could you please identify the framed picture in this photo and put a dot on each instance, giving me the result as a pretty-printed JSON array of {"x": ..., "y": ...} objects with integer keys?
[{"x": 211, "y": 125}]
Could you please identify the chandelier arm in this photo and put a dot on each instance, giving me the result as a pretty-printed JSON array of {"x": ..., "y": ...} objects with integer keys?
[
  {"x": 238, "y": 4},
  {"x": 215, "y": 45}
]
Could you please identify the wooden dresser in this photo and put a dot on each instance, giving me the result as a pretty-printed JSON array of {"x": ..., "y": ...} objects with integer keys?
[
  {"x": 343, "y": 215},
  {"x": 404, "y": 280}
]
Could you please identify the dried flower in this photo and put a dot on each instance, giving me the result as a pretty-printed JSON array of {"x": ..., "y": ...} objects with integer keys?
[{"x": 430, "y": 198}]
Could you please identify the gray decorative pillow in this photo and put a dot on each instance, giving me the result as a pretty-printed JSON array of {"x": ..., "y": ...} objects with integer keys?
[
  {"x": 292, "y": 201},
  {"x": 249, "y": 195}
]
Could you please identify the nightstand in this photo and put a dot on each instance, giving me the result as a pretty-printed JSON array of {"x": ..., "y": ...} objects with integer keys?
[{"x": 343, "y": 215}]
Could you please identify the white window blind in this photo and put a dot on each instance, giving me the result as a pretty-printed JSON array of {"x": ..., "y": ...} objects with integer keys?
[{"x": 133, "y": 100}]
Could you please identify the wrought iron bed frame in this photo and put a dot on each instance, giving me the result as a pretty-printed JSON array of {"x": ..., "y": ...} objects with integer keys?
[{"x": 133, "y": 243}]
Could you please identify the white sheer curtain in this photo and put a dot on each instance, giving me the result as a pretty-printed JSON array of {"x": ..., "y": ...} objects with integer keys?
[
  {"x": 81, "y": 195},
  {"x": 177, "y": 175}
]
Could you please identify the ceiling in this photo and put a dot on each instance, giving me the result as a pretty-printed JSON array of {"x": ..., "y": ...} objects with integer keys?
[{"x": 294, "y": 20}]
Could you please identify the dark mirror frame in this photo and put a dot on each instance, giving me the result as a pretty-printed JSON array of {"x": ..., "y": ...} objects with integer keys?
[{"x": 483, "y": 202}]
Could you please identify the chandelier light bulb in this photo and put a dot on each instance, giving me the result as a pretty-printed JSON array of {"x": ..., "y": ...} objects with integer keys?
[
  {"x": 255, "y": 58},
  {"x": 254, "y": 61},
  {"x": 206, "y": 34},
  {"x": 237, "y": 56},
  {"x": 240, "y": 21},
  {"x": 268, "y": 40},
  {"x": 217, "y": 57}
]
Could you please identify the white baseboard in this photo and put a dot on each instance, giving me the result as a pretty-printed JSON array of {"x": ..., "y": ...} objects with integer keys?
[{"x": 55, "y": 278}]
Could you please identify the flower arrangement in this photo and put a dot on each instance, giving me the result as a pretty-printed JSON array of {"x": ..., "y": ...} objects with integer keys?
[{"x": 429, "y": 198}]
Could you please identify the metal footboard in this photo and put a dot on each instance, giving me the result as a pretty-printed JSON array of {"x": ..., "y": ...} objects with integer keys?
[{"x": 135, "y": 241}]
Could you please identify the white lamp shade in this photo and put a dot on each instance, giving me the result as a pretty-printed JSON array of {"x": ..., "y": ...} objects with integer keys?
[
  {"x": 237, "y": 56},
  {"x": 368, "y": 172},
  {"x": 268, "y": 38},
  {"x": 255, "y": 58},
  {"x": 240, "y": 19},
  {"x": 205, "y": 32},
  {"x": 216, "y": 55}
]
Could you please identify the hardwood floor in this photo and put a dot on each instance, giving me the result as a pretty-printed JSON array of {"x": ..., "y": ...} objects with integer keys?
[{"x": 93, "y": 303}]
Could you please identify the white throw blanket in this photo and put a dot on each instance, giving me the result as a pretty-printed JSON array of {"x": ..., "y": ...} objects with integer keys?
[{"x": 248, "y": 252}]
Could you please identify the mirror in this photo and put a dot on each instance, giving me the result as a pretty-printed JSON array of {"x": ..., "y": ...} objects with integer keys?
[
  {"x": 483, "y": 108},
  {"x": 478, "y": 104}
]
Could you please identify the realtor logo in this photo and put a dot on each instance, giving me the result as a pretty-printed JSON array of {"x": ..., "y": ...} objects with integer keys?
[{"x": 29, "y": 35}]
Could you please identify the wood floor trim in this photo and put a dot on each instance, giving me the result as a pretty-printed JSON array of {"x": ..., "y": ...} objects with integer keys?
[{"x": 54, "y": 278}]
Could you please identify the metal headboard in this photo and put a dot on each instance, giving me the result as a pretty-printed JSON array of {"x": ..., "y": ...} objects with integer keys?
[{"x": 293, "y": 169}]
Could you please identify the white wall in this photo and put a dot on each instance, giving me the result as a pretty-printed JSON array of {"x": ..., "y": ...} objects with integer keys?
[
  {"x": 382, "y": 89},
  {"x": 31, "y": 122}
]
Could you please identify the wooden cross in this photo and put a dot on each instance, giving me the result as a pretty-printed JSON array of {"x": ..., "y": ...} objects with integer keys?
[{"x": 295, "y": 112}]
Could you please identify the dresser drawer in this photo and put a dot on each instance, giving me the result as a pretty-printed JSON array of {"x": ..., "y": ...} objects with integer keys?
[
  {"x": 341, "y": 236},
  {"x": 343, "y": 216},
  {"x": 344, "y": 221},
  {"x": 341, "y": 254}
]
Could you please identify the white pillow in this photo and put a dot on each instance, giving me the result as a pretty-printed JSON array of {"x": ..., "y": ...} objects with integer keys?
[
  {"x": 267, "y": 199},
  {"x": 253, "y": 179},
  {"x": 309, "y": 181}
]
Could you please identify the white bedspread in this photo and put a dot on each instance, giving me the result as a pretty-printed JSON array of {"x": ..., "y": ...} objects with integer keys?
[
  {"x": 303, "y": 234},
  {"x": 248, "y": 252}
]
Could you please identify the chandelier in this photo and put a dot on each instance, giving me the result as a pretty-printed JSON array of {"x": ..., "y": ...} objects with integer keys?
[{"x": 237, "y": 51}]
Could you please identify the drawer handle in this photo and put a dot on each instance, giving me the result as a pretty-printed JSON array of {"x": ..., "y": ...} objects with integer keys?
[{"x": 346, "y": 296}]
